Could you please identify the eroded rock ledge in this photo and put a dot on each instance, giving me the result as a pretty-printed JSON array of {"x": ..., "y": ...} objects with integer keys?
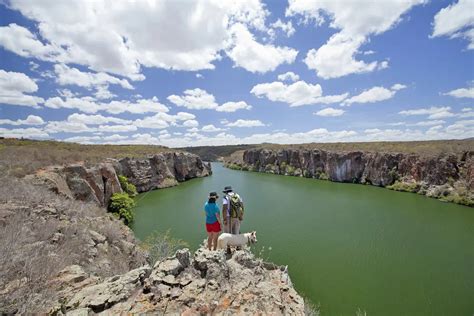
[
  {"x": 206, "y": 283},
  {"x": 97, "y": 183},
  {"x": 447, "y": 177}
]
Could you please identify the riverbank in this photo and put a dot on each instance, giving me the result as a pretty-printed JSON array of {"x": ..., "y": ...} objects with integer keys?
[{"x": 448, "y": 176}]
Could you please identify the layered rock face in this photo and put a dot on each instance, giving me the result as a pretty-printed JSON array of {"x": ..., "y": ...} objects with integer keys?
[
  {"x": 447, "y": 177},
  {"x": 97, "y": 183},
  {"x": 208, "y": 283},
  {"x": 162, "y": 170}
]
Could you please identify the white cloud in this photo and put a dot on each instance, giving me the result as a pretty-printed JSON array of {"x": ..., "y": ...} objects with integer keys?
[
  {"x": 233, "y": 106},
  {"x": 30, "y": 120},
  {"x": 196, "y": 99},
  {"x": 163, "y": 120},
  {"x": 287, "y": 27},
  {"x": 89, "y": 105},
  {"x": 247, "y": 53},
  {"x": 429, "y": 123},
  {"x": 433, "y": 113},
  {"x": 336, "y": 58},
  {"x": 295, "y": 94},
  {"x": 14, "y": 87},
  {"x": 117, "y": 39},
  {"x": 95, "y": 119},
  {"x": 288, "y": 76},
  {"x": 31, "y": 132},
  {"x": 462, "y": 93},
  {"x": 330, "y": 112},
  {"x": 398, "y": 86},
  {"x": 211, "y": 128},
  {"x": 191, "y": 123},
  {"x": 137, "y": 107},
  {"x": 116, "y": 128},
  {"x": 374, "y": 94},
  {"x": 245, "y": 123},
  {"x": 456, "y": 20},
  {"x": 199, "y": 76},
  {"x": 73, "y": 76},
  {"x": 82, "y": 104}
]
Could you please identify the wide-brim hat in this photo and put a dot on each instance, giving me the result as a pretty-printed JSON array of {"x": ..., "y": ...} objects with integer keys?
[
  {"x": 227, "y": 189},
  {"x": 213, "y": 195}
]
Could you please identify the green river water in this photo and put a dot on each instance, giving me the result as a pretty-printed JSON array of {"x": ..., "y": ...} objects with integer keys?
[{"x": 348, "y": 246}]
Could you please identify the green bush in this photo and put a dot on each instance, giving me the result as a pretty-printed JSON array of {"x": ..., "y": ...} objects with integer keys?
[
  {"x": 404, "y": 186},
  {"x": 129, "y": 188},
  {"x": 121, "y": 204}
]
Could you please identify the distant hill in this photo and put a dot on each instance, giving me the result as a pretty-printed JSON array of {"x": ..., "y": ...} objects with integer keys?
[{"x": 212, "y": 153}]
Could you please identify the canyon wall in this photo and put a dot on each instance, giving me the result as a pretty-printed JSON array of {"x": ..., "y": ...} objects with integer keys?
[
  {"x": 448, "y": 177},
  {"x": 97, "y": 183}
]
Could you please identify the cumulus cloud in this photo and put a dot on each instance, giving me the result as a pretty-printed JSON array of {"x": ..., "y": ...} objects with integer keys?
[
  {"x": 374, "y": 94},
  {"x": 195, "y": 99},
  {"x": 31, "y": 132},
  {"x": 117, "y": 39},
  {"x": 337, "y": 57},
  {"x": 95, "y": 119},
  {"x": 30, "y": 120},
  {"x": 456, "y": 20},
  {"x": 211, "y": 128},
  {"x": 233, "y": 106},
  {"x": 90, "y": 105},
  {"x": 245, "y": 123},
  {"x": 330, "y": 112},
  {"x": 249, "y": 54},
  {"x": 14, "y": 87},
  {"x": 288, "y": 76},
  {"x": 295, "y": 94},
  {"x": 286, "y": 28},
  {"x": 199, "y": 99},
  {"x": 462, "y": 93},
  {"x": 73, "y": 76},
  {"x": 433, "y": 112}
]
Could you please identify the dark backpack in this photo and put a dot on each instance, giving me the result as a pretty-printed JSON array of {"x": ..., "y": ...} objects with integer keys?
[{"x": 236, "y": 206}]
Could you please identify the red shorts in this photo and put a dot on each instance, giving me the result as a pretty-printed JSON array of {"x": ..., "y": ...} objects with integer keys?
[{"x": 213, "y": 228}]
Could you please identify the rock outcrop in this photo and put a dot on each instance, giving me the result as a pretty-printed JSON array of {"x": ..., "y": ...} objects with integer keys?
[
  {"x": 447, "y": 177},
  {"x": 97, "y": 183},
  {"x": 208, "y": 283},
  {"x": 162, "y": 170}
]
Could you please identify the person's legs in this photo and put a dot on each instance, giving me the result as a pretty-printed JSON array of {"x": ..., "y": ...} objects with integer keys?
[
  {"x": 214, "y": 240},
  {"x": 209, "y": 240},
  {"x": 227, "y": 227},
  {"x": 235, "y": 226}
]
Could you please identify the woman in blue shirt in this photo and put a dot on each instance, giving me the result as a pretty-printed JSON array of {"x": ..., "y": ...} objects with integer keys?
[{"x": 213, "y": 221}]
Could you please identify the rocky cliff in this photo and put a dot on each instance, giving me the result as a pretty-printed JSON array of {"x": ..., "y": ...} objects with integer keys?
[
  {"x": 206, "y": 283},
  {"x": 162, "y": 170},
  {"x": 97, "y": 183},
  {"x": 447, "y": 176}
]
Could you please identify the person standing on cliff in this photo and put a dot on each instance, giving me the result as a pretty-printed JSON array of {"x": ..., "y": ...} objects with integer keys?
[
  {"x": 213, "y": 221},
  {"x": 232, "y": 211}
]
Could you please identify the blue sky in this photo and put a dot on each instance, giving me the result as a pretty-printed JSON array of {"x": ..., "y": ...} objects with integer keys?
[{"x": 186, "y": 73}]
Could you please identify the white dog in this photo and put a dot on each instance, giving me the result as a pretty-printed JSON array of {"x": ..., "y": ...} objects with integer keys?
[{"x": 240, "y": 240}]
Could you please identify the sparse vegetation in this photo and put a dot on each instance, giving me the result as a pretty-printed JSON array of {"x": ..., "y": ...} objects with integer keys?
[
  {"x": 40, "y": 234},
  {"x": 404, "y": 186},
  {"x": 160, "y": 245}
]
